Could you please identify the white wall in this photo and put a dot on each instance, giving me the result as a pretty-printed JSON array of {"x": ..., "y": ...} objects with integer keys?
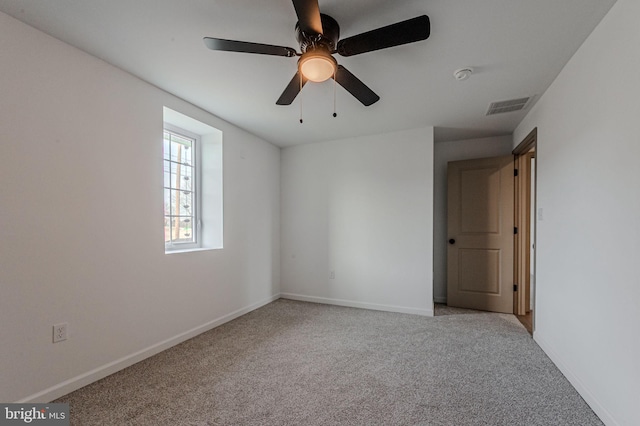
[
  {"x": 81, "y": 234},
  {"x": 443, "y": 152},
  {"x": 587, "y": 315},
  {"x": 363, "y": 208}
]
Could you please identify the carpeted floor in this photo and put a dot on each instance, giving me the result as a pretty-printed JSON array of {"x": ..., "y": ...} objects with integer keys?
[
  {"x": 295, "y": 363},
  {"x": 442, "y": 309}
]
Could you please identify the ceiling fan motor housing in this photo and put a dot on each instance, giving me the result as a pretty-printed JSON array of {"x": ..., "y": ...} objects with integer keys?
[{"x": 328, "y": 40}]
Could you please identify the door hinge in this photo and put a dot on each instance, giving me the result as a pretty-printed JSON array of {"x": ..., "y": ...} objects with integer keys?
[
  {"x": 515, "y": 287},
  {"x": 515, "y": 229},
  {"x": 515, "y": 172}
]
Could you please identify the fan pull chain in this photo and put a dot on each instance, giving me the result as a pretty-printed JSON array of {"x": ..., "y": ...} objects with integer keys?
[
  {"x": 334, "y": 93},
  {"x": 301, "y": 98}
]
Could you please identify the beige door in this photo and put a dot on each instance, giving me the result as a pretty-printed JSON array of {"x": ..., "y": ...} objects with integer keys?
[{"x": 480, "y": 232}]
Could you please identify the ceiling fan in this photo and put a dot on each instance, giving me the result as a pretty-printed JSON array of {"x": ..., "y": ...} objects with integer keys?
[{"x": 318, "y": 35}]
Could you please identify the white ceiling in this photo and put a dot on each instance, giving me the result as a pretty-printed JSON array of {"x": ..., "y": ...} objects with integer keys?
[{"x": 517, "y": 48}]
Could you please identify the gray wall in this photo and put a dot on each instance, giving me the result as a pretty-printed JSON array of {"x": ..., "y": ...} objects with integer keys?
[
  {"x": 362, "y": 208},
  {"x": 81, "y": 228},
  {"x": 587, "y": 311}
]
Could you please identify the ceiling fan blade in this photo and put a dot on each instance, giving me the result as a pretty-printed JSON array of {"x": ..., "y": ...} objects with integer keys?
[
  {"x": 404, "y": 32},
  {"x": 308, "y": 16},
  {"x": 292, "y": 90},
  {"x": 248, "y": 47},
  {"x": 354, "y": 86}
]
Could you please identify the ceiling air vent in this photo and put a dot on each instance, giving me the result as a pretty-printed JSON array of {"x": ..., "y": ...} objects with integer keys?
[{"x": 508, "y": 106}]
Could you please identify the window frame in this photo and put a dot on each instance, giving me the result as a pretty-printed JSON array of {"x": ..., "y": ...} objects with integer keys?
[{"x": 174, "y": 247}]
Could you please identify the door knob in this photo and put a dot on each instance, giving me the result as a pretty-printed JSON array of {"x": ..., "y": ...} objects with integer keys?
[{"x": 452, "y": 241}]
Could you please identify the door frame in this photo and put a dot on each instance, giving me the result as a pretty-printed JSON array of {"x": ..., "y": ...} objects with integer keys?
[{"x": 522, "y": 221}]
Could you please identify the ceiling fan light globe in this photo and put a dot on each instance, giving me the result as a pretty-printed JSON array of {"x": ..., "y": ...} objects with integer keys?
[{"x": 317, "y": 66}]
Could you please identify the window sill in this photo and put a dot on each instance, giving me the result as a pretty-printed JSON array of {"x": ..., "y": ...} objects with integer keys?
[{"x": 192, "y": 250}]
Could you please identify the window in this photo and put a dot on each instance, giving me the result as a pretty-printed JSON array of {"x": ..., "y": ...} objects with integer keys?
[
  {"x": 193, "y": 201},
  {"x": 181, "y": 189}
]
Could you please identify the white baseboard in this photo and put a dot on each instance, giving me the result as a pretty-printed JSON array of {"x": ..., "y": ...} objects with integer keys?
[
  {"x": 101, "y": 372},
  {"x": 586, "y": 394},
  {"x": 440, "y": 299},
  {"x": 354, "y": 304}
]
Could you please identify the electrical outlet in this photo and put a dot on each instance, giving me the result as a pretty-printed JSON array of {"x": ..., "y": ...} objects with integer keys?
[
  {"x": 332, "y": 275},
  {"x": 59, "y": 332}
]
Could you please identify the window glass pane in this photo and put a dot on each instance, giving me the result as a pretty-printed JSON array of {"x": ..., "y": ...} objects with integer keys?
[
  {"x": 181, "y": 203},
  {"x": 176, "y": 150},
  {"x": 167, "y": 204},
  {"x": 174, "y": 224},
  {"x": 186, "y": 178},
  {"x": 167, "y": 174},
  {"x": 178, "y": 203},
  {"x": 186, "y": 204},
  {"x": 182, "y": 228},
  {"x": 181, "y": 177},
  {"x": 165, "y": 146},
  {"x": 186, "y": 152},
  {"x": 167, "y": 230},
  {"x": 181, "y": 151}
]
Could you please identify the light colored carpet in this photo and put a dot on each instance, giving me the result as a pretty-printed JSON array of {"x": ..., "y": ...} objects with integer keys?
[
  {"x": 295, "y": 363},
  {"x": 442, "y": 309}
]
